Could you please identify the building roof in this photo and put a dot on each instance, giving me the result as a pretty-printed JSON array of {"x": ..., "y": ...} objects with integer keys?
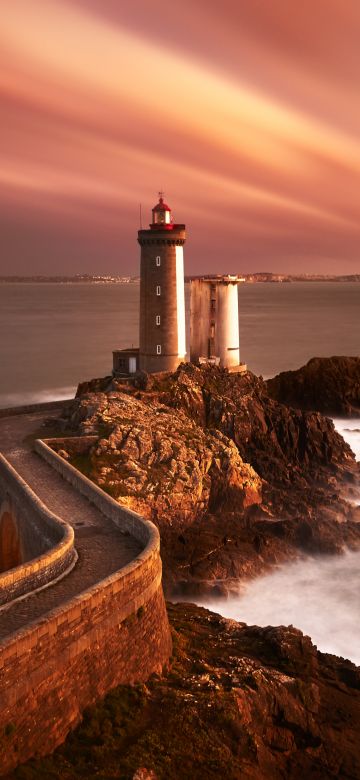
[
  {"x": 217, "y": 279},
  {"x": 161, "y": 206}
]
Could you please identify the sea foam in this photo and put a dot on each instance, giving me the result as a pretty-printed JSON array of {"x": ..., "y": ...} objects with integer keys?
[
  {"x": 350, "y": 431},
  {"x": 320, "y": 596},
  {"x": 8, "y": 400}
]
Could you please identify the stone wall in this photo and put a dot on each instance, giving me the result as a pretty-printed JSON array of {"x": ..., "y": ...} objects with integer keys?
[
  {"x": 44, "y": 543},
  {"x": 136, "y": 525},
  {"x": 79, "y": 445},
  {"x": 116, "y": 632}
]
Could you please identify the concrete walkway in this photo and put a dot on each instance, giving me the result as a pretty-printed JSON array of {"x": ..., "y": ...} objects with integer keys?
[{"x": 101, "y": 547}]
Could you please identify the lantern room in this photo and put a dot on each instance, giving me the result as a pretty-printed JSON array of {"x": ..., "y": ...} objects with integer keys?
[{"x": 161, "y": 213}]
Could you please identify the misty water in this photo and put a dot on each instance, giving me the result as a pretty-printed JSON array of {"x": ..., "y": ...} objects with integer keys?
[
  {"x": 350, "y": 431},
  {"x": 52, "y": 336},
  {"x": 318, "y": 595}
]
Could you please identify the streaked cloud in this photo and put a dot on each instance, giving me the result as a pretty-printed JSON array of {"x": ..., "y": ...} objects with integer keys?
[{"x": 247, "y": 118}]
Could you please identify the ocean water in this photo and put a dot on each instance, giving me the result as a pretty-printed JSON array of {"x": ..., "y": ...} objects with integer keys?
[
  {"x": 350, "y": 431},
  {"x": 53, "y": 336},
  {"x": 318, "y": 595}
]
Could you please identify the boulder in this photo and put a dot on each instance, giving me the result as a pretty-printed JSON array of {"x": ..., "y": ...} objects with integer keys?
[{"x": 327, "y": 385}]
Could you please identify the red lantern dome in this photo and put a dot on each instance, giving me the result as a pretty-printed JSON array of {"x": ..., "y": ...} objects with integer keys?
[{"x": 161, "y": 214}]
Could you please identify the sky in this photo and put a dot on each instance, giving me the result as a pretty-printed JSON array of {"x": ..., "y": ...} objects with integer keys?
[{"x": 245, "y": 112}]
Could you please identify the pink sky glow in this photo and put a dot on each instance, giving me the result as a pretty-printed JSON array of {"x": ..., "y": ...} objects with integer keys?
[{"x": 247, "y": 114}]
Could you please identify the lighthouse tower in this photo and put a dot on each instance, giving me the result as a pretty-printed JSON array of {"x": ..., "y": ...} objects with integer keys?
[{"x": 162, "y": 299}]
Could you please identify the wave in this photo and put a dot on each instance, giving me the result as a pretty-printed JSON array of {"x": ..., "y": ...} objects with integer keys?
[
  {"x": 36, "y": 396},
  {"x": 320, "y": 596},
  {"x": 350, "y": 431}
]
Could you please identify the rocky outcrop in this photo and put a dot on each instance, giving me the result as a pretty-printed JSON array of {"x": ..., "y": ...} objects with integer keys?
[
  {"x": 234, "y": 480},
  {"x": 282, "y": 444},
  {"x": 160, "y": 463},
  {"x": 299, "y": 455},
  {"x": 238, "y": 702},
  {"x": 327, "y": 385},
  {"x": 100, "y": 385}
]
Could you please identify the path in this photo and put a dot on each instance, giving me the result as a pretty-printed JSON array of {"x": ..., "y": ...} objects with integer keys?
[{"x": 101, "y": 547}]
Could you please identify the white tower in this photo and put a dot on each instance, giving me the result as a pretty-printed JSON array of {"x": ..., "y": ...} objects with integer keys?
[{"x": 214, "y": 321}]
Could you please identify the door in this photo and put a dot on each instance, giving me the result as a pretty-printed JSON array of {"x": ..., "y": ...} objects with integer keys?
[{"x": 132, "y": 365}]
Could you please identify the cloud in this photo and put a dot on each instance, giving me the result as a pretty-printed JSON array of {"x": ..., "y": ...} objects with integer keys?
[{"x": 234, "y": 112}]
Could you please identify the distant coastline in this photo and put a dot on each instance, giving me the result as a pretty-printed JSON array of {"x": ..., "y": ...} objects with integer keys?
[
  {"x": 267, "y": 277},
  {"x": 78, "y": 278}
]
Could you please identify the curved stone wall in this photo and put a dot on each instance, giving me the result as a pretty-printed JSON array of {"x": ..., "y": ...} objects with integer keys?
[
  {"x": 10, "y": 542},
  {"x": 143, "y": 530},
  {"x": 37, "y": 540},
  {"x": 116, "y": 632}
]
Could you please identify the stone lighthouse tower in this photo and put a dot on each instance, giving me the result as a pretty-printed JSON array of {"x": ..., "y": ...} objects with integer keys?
[{"x": 162, "y": 299}]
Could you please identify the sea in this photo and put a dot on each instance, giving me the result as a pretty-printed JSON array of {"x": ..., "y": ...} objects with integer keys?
[{"x": 53, "y": 336}]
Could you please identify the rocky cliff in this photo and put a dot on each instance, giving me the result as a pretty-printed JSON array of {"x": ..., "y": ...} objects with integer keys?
[
  {"x": 327, "y": 385},
  {"x": 238, "y": 702},
  {"x": 161, "y": 463},
  {"x": 235, "y": 480}
]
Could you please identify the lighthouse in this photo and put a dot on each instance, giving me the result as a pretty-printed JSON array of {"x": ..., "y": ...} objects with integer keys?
[
  {"x": 214, "y": 316},
  {"x": 162, "y": 298}
]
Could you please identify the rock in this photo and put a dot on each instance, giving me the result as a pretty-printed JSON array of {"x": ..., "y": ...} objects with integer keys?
[
  {"x": 167, "y": 466},
  {"x": 327, "y": 385},
  {"x": 235, "y": 480},
  {"x": 237, "y": 702},
  {"x": 144, "y": 774},
  {"x": 282, "y": 444},
  {"x": 94, "y": 386},
  {"x": 63, "y": 454}
]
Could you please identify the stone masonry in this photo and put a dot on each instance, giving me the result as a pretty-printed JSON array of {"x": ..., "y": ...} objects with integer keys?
[{"x": 103, "y": 624}]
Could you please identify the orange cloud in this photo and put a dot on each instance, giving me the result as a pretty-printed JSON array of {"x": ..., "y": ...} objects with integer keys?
[{"x": 100, "y": 112}]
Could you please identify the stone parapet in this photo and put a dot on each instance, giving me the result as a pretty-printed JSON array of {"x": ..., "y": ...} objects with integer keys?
[
  {"x": 127, "y": 520},
  {"x": 116, "y": 632},
  {"x": 47, "y": 542}
]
